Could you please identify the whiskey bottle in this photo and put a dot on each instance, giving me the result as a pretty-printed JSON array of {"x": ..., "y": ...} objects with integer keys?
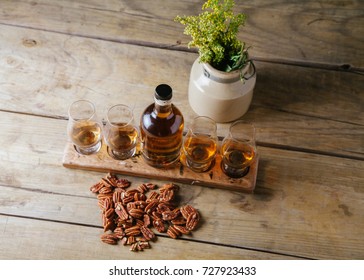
[{"x": 161, "y": 129}]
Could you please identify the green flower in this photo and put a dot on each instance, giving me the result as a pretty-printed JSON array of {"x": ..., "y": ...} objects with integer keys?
[{"x": 214, "y": 33}]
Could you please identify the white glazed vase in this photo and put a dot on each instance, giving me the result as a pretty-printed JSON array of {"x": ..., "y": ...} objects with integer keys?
[{"x": 222, "y": 96}]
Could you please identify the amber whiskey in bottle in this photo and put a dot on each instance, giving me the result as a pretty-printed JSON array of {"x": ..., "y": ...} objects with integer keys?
[{"x": 161, "y": 130}]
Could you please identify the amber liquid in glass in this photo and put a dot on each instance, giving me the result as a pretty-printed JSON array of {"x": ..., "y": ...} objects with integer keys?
[
  {"x": 86, "y": 134},
  {"x": 161, "y": 135},
  {"x": 122, "y": 138},
  {"x": 200, "y": 149},
  {"x": 236, "y": 158}
]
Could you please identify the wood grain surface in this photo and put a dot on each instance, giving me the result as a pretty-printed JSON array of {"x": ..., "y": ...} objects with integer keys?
[
  {"x": 307, "y": 107},
  {"x": 319, "y": 32}
]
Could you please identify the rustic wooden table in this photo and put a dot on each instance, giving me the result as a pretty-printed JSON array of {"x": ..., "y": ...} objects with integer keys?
[{"x": 307, "y": 108}]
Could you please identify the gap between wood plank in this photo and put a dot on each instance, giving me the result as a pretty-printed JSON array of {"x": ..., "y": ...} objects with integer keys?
[
  {"x": 46, "y": 192},
  {"x": 305, "y": 115},
  {"x": 345, "y": 67},
  {"x": 162, "y": 236},
  {"x": 306, "y": 150}
]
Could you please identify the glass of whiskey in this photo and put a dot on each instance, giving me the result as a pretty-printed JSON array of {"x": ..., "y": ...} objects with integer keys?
[
  {"x": 84, "y": 128},
  {"x": 200, "y": 144},
  {"x": 121, "y": 134},
  {"x": 238, "y": 149}
]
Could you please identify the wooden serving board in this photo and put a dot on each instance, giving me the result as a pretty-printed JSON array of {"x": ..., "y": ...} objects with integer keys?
[{"x": 136, "y": 166}]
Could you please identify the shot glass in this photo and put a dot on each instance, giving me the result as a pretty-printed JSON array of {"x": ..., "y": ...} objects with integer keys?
[
  {"x": 120, "y": 132},
  {"x": 200, "y": 144},
  {"x": 84, "y": 128},
  {"x": 238, "y": 149}
]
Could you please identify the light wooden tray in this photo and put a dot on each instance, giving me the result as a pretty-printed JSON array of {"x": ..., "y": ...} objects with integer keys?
[{"x": 136, "y": 166}]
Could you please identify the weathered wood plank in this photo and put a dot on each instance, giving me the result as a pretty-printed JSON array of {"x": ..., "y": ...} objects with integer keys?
[
  {"x": 22, "y": 238},
  {"x": 304, "y": 133},
  {"x": 64, "y": 68},
  {"x": 309, "y": 31},
  {"x": 328, "y": 95},
  {"x": 300, "y": 204}
]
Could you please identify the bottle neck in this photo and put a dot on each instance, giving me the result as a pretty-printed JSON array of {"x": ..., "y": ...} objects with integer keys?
[{"x": 162, "y": 107}]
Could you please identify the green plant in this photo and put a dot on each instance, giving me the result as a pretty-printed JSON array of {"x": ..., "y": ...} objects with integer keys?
[{"x": 214, "y": 33}]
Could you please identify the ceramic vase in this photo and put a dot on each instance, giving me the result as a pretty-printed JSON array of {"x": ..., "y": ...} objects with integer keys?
[{"x": 222, "y": 96}]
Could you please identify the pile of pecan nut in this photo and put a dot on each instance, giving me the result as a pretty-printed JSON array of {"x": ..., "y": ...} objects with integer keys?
[{"x": 130, "y": 214}]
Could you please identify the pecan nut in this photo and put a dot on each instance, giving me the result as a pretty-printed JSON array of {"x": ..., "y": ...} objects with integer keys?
[
  {"x": 159, "y": 225},
  {"x": 187, "y": 210},
  {"x": 146, "y": 220},
  {"x": 147, "y": 233},
  {"x": 95, "y": 188},
  {"x": 179, "y": 221},
  {"x": 192, "y": 221},
  {"x": 169, "y": 215},
  {"x": 151, "y": 205},
  {"x": 136, "y": 213},
  {"x": 119, "y": 232},
  {"x": 109, "y": 238},
  {"x": 132, "y": 231},
  {"x": 121, "y": 212},
  {"x": 122, "y": 183},
  {"x": 181, "y": 229},
  {"x": 173, "y": 232}
]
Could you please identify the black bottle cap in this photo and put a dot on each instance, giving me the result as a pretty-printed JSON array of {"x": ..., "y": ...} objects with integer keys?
[{"x": 163, "y": 92}]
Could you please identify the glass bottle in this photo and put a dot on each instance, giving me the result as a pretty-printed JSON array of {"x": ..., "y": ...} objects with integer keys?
[{"x": 161, "y": 129}]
